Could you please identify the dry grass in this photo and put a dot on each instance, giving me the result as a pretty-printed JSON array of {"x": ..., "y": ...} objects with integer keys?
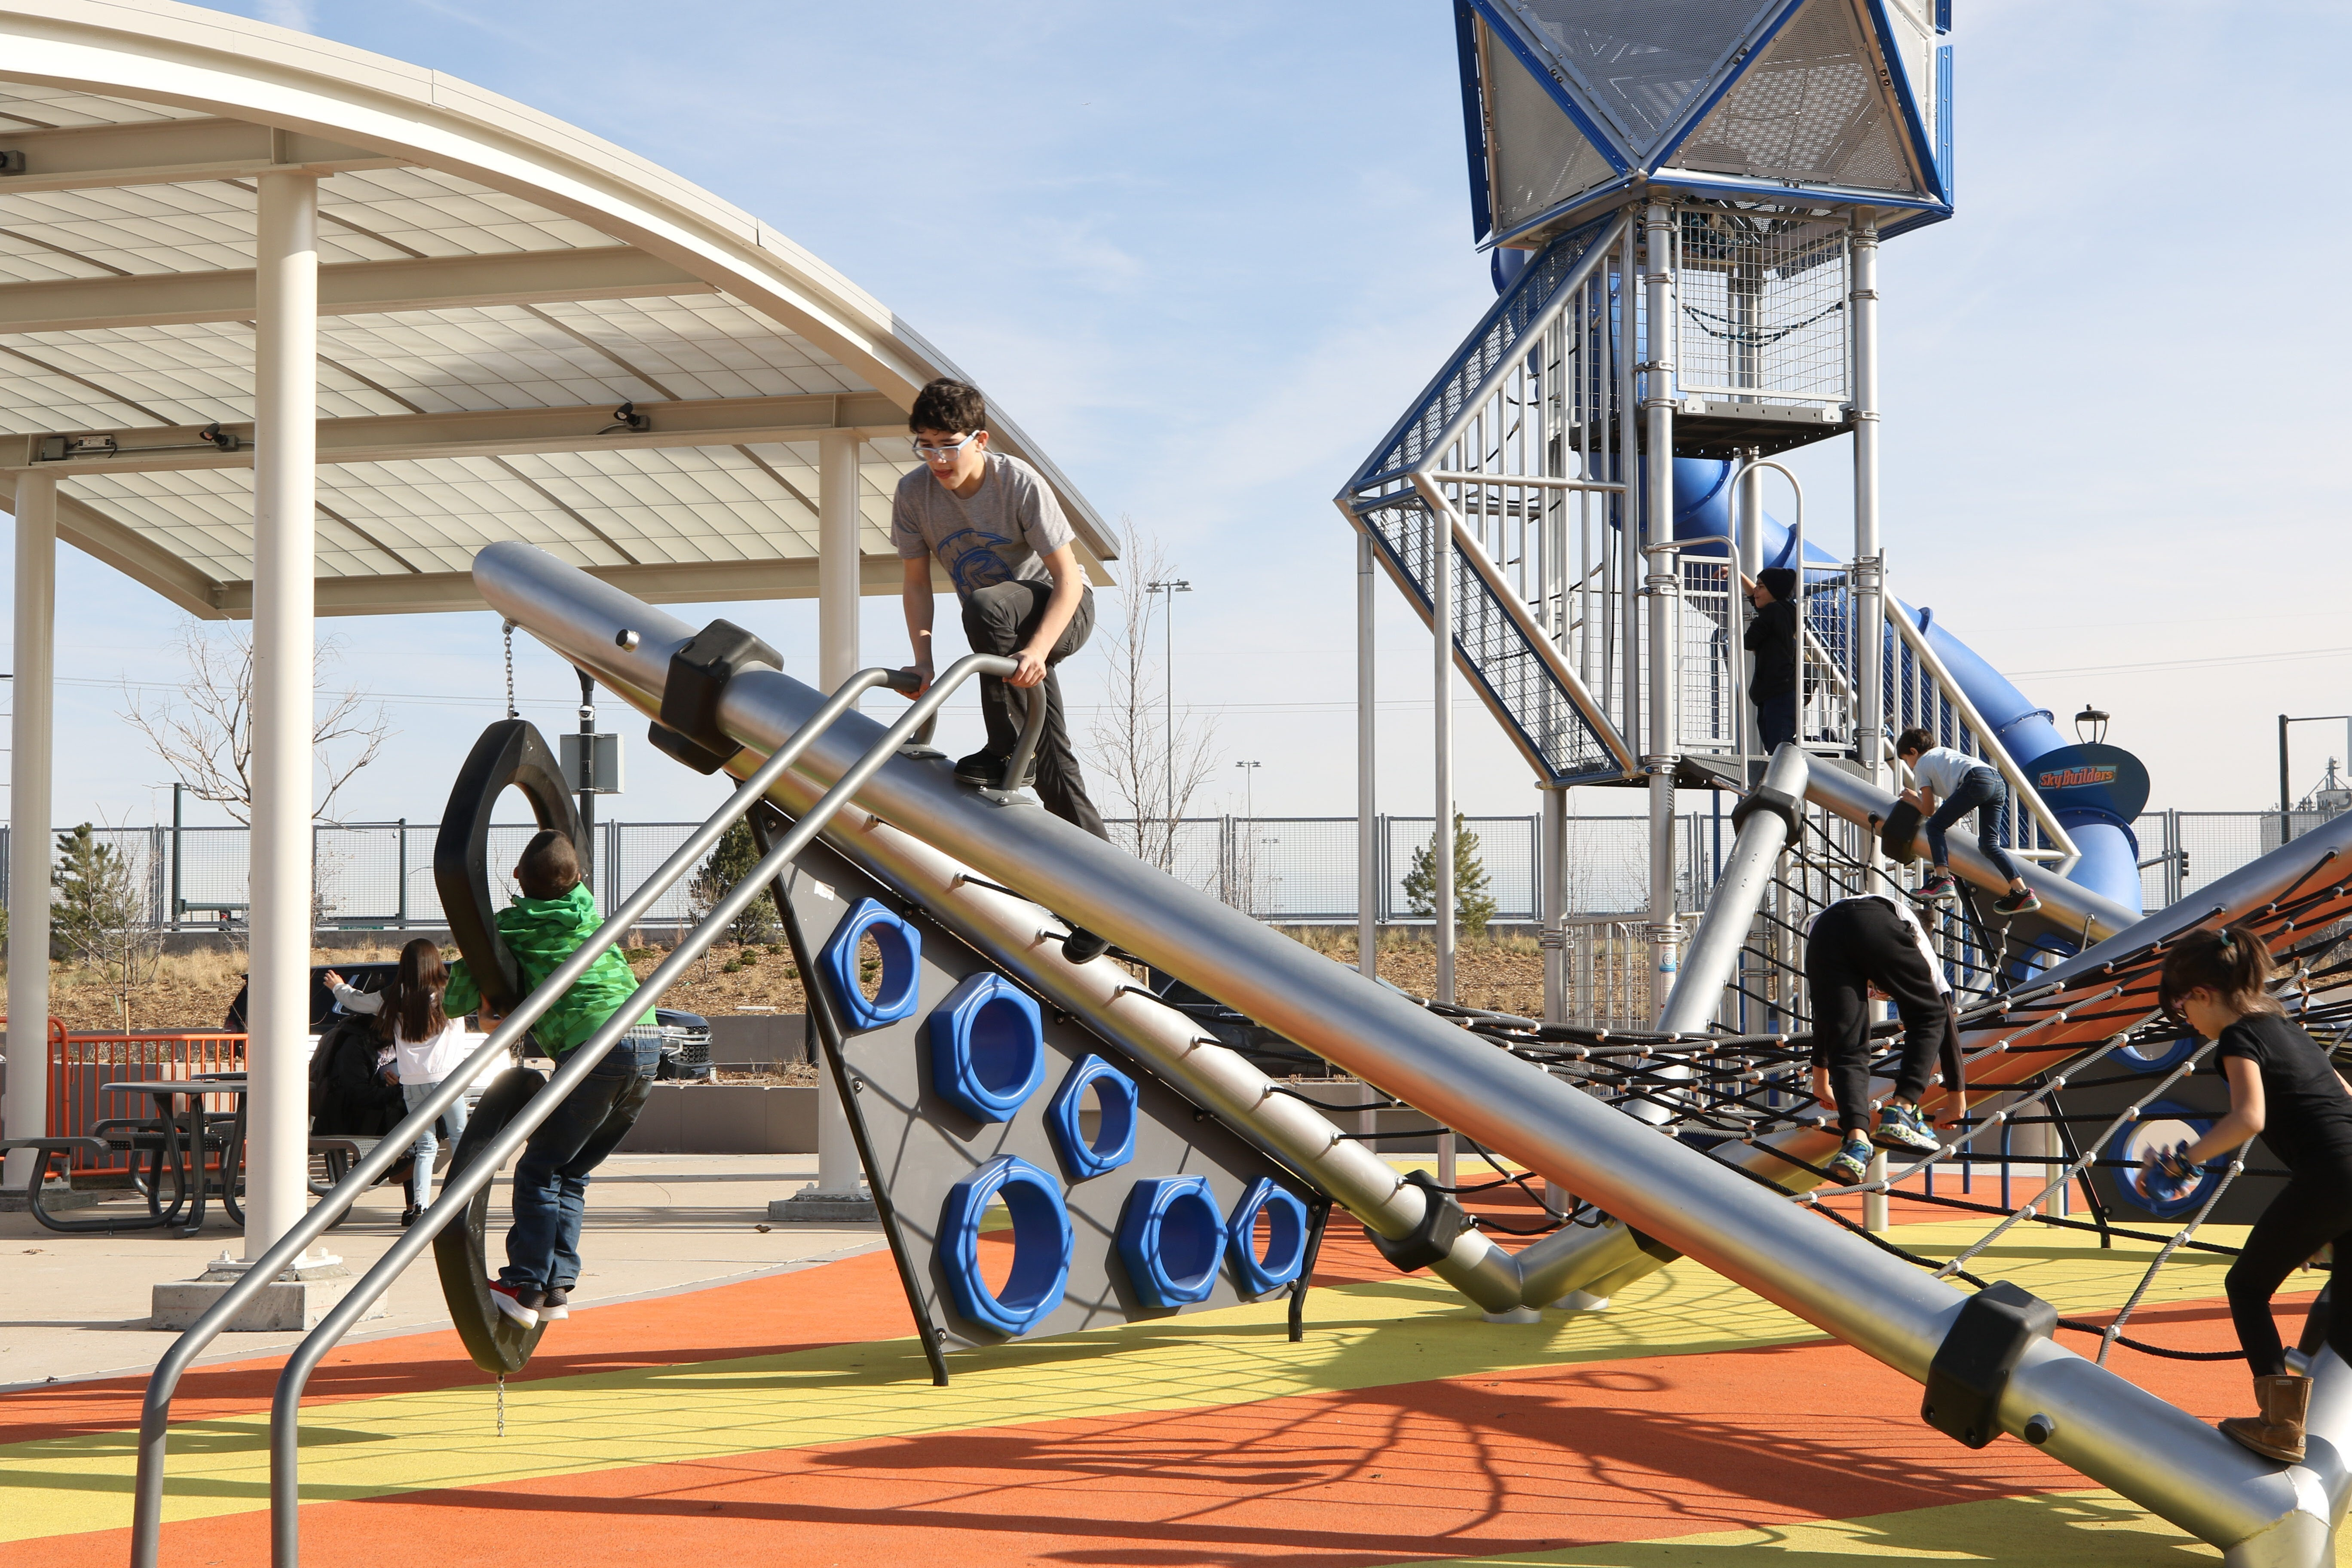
[{"x": 192, "y": 991}]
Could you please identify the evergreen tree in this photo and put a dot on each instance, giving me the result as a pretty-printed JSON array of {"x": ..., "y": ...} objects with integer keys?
[
  {"x": 99, "y": 915},
  {"x": 734, "y": 859},
  {"x": 1474, "y": 901}
]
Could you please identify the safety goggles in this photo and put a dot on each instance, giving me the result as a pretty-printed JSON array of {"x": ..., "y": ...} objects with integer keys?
[{"x": 930, "y": 454}]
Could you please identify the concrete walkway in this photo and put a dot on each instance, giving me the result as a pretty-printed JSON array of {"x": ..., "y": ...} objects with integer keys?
[{"x": 75, "y": 1306}]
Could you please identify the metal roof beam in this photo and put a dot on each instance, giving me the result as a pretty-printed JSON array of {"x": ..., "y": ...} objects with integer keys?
[
  {"x": 173, "y": 152},
  {"x": 683, "y": 583},
  {"x": 345, "y": 288},
  {"x": 502, "y": 432}
]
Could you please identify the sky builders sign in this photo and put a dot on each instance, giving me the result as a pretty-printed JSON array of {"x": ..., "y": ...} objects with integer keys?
[{"x": 2106, "y": 779}]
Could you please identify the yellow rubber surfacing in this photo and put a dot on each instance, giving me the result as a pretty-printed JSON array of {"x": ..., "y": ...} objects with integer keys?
[{"x": 1361, "y": 1335}]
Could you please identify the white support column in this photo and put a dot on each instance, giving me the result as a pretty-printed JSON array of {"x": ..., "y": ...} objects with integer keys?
[
  {"x": 1662, "y": 588},
  {"x": 838, "y": 1175},
  {"x": 285, "y": 521},
  {"x": 1368, "y": 822},
  {"x": 1869, "y": 586},
  {"x": 25, "y": 1113},
  {"x": 1441, "y": 624},
  {"x": 837, "y": 557},
  {"x": 1747, "y": 507}
]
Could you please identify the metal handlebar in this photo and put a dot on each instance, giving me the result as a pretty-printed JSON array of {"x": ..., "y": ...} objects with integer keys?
[{"x": 156, "y": 1412}]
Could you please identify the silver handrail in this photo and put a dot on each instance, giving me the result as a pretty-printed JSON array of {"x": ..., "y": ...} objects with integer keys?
[{"x": 156, "y": 1412}]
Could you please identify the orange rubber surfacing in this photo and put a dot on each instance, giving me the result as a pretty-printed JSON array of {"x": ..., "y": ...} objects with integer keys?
[{"x": 1529, "y": 1460}]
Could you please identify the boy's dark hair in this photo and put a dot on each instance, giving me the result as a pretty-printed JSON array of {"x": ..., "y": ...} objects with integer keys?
[
  {"x": 2233, "y": 964},
  {"x": 952, "y": 407},
  {"x": 1913, "y": 740},
  {"x": 549, "y": 867},
  {"x": 1779, "y": 581}
]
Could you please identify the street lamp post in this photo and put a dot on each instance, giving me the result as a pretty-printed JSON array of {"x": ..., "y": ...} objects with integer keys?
[
  {"x": 1171, "y": 587},
  {"x": 2286, "y": 788}
]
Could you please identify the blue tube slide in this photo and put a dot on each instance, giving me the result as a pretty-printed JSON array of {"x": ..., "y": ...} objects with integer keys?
[{"x": 2110, "y": 862}]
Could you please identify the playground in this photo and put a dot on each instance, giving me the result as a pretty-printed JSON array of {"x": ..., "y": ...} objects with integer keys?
[{"x": 1883, "y": 1186}]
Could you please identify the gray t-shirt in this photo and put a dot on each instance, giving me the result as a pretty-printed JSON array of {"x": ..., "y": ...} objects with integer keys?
[{"x": 996, "y": 536}]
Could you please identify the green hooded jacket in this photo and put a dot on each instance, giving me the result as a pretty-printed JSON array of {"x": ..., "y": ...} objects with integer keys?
[{"x": 541, "y": 933}]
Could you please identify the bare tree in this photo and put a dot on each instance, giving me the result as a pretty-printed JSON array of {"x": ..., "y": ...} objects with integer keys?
[
  {"x": 1152, "y": 768},
  {"x": 205, "y": 734}
]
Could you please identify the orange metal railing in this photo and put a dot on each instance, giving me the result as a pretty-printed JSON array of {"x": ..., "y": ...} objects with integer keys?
[{"x": 79, "y": 1063}]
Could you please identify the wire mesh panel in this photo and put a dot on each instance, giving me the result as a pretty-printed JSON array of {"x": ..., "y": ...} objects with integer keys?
[
  {"x": 1296, "y": 868},
  {"x": 1809, "y": 110},
  {"x": 1761, "y": 304},
  {"x": 1827, "y": 714},
  {"x": 1504, "y": 848},
  {"x": 1709, "y": 708}
]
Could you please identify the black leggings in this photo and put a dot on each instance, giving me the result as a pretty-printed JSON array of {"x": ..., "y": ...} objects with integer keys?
[
  {"x": 1856, "y": 944},
  {"x": 2315, "y": 1209}
]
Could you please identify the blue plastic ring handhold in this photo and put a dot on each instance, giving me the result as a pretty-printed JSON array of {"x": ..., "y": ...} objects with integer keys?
[
  {"x": 901, "y": 946},
  {"x": 1285, "y": 1250},
  {"x": 988, "y": 1047},
  {"x": 1113, "y": 1145},
  {"x": 1172, "y": 1239},
  {"x": 1041, "y": 1245}
]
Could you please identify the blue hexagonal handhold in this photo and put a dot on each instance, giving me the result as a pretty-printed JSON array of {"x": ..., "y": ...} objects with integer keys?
[
  {"x": 988, "y": 1047},
  {"x": 1042, "y": 1240},
  {"x": 1285, "y": 1250},
  {"x": 901, "y": 946},
  {"x": 1113, "y": 1145},
  {"x": 1172, "y": 1238}
]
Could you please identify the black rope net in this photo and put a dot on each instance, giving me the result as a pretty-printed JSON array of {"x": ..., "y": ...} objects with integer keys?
[{"x": 2094, "y": 1029}]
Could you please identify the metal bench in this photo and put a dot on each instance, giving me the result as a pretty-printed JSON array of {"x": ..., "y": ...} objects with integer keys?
[{"x": 48, "y": 1148}]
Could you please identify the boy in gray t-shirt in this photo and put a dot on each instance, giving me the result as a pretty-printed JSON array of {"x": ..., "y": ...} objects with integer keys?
[{"x": 994, "y": 523}]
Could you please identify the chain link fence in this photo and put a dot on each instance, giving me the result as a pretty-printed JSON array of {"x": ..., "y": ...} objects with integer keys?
[{"x": 1293, "y": 870}]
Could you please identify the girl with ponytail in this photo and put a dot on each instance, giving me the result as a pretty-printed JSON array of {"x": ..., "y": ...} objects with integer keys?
[{"x": 2283, "y": 1089}]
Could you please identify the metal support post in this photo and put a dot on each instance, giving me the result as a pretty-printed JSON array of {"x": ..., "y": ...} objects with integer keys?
[
  {"x": 1748, "y": 539},
  {"x": 589, "y": 782},
  {"x": 1662, "y": 586},
  {"x": 1441, "y": 855},
  {"x": 1869, "y": 583},
  {"x": 1629, "y": 471},
  {"x": 1368, "y": 849},
  {"x": 1551, "y": 884},
  {"x": 285, "y": 525},
  {"x": 27, "y": 1107}
]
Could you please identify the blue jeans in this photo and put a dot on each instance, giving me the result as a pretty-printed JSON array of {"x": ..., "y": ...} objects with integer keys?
[
  {"x": 1776, "y": 720},
  {"x": 1983, "y": 792},
  {"x": 420, "y": 1183},
  {"x": 551, "y": 1180}
]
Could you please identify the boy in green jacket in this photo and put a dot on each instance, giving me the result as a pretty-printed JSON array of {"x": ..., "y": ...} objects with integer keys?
[{"x": 545, "y": 925}]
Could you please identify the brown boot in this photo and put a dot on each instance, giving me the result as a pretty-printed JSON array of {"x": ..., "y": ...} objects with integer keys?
[{"x": 2278, "y": 1432}]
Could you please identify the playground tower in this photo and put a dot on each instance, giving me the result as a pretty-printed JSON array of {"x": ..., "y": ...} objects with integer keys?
[{"x": 1685, "y": 201}]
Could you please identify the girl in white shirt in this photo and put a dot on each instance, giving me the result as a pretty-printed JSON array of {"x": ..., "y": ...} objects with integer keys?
[{"x": 427, "y": 1046}]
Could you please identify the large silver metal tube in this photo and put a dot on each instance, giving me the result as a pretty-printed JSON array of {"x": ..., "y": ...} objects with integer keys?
[
  {"x": 2114, "y": 1433},
  {"x": 2084, "y": 915},
  {"x": 1731, "y": 913}
]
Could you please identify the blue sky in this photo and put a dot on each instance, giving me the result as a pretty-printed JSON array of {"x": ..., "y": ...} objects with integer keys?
[{"x": 1207, "y": 254}]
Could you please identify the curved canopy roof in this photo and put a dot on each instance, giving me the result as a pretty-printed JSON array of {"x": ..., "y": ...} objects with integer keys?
[{"x": 494, "y": 286}]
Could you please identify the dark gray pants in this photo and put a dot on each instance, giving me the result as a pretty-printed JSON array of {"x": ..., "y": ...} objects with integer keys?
[{"x": 999, "y": 620}]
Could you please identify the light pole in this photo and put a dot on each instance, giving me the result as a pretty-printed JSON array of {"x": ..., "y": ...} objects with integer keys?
[
  {"x": 2286, "y": 789},
  {"x": 1249, "y": 827},
  {"x": 1171, "y": 587}
]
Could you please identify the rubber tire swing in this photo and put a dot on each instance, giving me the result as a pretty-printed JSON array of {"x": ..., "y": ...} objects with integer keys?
[
  {"x": 511, "y": 754},
  {"x": 1041, "y": 1243}
]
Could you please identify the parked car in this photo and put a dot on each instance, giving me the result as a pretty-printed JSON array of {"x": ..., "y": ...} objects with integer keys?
[{"x": 685, "y": 1036}]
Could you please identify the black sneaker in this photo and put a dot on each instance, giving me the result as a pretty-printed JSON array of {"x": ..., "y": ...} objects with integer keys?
[
  {"x": 557, "y": 1306},
  {"x": 408, "y": 1215},
  {"x": 2023, "y": 903},
  {"x": 1083, "y": 946},
  {"x": 1940, "y": 888},
  {"x": 985, "y": 769},
  {"x": 520, "y": 1302}
]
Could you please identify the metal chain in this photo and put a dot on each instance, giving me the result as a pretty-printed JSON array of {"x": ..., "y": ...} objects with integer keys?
[
  {"x": 508, "y": 628},
  {"x": 502, "y": 1377}
]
